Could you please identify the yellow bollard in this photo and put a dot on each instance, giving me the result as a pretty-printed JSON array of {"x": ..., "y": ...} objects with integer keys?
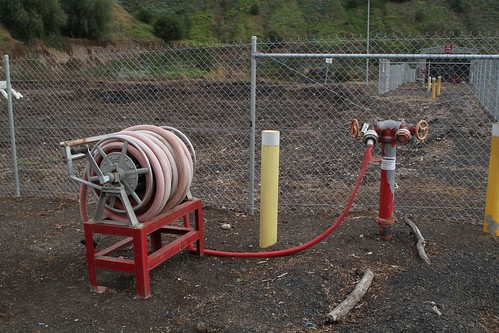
[
  {"x": 433, "y": 88},
  {"x": 429, "y": 83},
  {"x": 491, "y": 220},
  {"x": 439, "y": 85},
  {"x": 269, "y": 188}
]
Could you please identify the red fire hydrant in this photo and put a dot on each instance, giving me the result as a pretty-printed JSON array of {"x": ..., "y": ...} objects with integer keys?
[{"x": 389, "y": 133}]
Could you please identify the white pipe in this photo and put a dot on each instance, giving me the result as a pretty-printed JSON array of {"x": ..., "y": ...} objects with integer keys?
[
  {"x": 16, "y": 94},
  {"x": 3, "y": 86}
]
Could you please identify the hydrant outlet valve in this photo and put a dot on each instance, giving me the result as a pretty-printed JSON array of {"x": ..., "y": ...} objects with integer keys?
[
  {"x": 403, "y": 136},
  {"x": 370, "y": 134}
]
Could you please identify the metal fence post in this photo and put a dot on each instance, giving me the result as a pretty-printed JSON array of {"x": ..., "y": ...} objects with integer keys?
[
  {"x": 496, "y": 115},
  {"x": 11, "y": 125},
  {"x": 251, "y": 205},
  {"x": 488, "y": 101},
  {"x": 367, "y": 39}
]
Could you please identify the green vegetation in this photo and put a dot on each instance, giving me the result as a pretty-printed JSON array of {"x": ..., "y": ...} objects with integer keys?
[
  {"x": 185, "y": 64},
  {"x": 30, "y": 19},
  {"x": 212, "y": 21},
  {"x": 48, "y": 20},
  {"x": 4, "y": 35},
  {"x": 170, "y": 27},
  {"x": 87, "y": 18},
  {"x": 123, "y": 26},
  {"x": 228, "y": 20}
]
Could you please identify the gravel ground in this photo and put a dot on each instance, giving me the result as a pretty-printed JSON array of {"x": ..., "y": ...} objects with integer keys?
[{"x": 44, "y": 285}]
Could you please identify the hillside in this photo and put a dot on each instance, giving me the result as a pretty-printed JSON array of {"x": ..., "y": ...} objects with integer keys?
[
  {"x": 123, "y": 29},
  {"x": 208, "y": 21},
  {"x": 228, "y": 20}
]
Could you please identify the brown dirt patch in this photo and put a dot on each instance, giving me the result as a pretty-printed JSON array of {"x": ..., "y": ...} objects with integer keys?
[{"x": 44, "y": 285}]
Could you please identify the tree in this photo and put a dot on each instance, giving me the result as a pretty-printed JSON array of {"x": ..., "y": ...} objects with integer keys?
[
  {"x": 254, "y": 9},
  {"x": 30, "y": 19},
  {"x": 87, "y": 18},
  {"x": 145, "y": 15},
  {"x": 459, "y": 6},
  {"x": 350, "y": 4},
  {"x": 169, "y": 28}
]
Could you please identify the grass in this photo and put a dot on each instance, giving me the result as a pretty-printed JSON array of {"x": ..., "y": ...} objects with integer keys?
[
  {"x": 212, "y": 21},
  {"x": 124, "y": 26},
  {"x": 162, "y": 66},
  {"x": 200, "y": 21},
  {"x": 4, "y": 35},
  {"x": 290, "y": 19}
]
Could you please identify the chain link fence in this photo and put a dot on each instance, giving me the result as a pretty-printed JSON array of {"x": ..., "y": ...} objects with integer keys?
[
  {"x": 206, "y": 93},
  {"x": 486, "y": 87},
  {"x": 393, "y": 75}
]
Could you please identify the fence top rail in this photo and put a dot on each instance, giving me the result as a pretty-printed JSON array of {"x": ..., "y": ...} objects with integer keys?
[{"x": 378, "y": 55}]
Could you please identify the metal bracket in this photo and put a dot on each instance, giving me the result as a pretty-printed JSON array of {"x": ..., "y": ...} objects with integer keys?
[
  {"x": 118, "y": 192},
  {"x": 108, "y": 187}
]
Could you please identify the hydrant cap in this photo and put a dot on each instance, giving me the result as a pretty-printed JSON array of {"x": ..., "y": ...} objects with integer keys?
[{"x": 403, "y": 135}]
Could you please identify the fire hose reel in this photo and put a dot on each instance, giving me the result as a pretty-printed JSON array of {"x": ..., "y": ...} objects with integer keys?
[
  {"x": 134, "y": 174},
  {"x": 140, "y": 178}
]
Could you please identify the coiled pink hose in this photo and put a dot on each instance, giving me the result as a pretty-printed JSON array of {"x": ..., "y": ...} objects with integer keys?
[{"x": 167, "y": 183}]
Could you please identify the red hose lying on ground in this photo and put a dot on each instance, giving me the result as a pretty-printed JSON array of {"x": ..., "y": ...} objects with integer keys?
[{"x": 336, "y": 224}]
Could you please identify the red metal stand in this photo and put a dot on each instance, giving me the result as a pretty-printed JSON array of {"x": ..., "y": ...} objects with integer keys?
[{"x": 142, "y": 261}]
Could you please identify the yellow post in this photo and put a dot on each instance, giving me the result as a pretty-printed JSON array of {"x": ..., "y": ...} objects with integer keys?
[
  {"x": 433, "y": 88},
  {"x": 429, "y": 83},
  {"x": 439, "y": 85},
  {"x": 269, "y": 188},
  {"x": 491, "y": 220}
]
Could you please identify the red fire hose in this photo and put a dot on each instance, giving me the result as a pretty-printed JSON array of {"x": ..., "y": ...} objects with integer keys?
[{"x": 336, "y": 224}]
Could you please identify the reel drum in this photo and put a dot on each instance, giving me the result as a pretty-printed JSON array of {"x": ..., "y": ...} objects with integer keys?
[{"x": 134, "y": 174}]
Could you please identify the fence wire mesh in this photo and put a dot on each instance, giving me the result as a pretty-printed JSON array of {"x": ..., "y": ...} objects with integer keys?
[{"x": 205, "y": 92}]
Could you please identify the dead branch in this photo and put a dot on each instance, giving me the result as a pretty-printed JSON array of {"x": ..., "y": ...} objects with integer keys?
[
  {"x": 420, "y": 240},
  {"x": 352, "y": 299}
]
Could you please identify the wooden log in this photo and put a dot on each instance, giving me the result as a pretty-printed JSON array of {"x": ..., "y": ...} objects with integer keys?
[
  {"x": 420, "y": 240},
  {"x": 352, "y": 299}
]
